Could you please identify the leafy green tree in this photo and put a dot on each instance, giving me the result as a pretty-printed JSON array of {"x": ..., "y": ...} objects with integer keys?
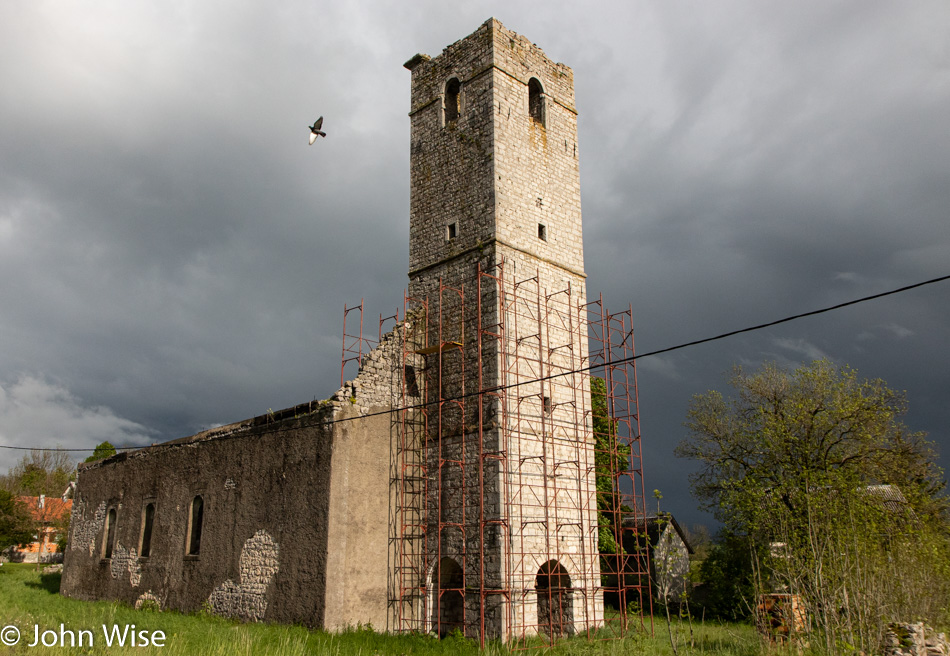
[
  {"x": 40, "y": 472},
  {"x": 62, "y": 533},
  {"x": 837, "y": 502},
  {"x": 727, "y": 589},
  {"x": 103, "y": 450},
  {"x": 33, "y": 479},
  {"x": 610, "y": 457},
  {"x": 786, "y": 433},
  {"x": 16, "y": 525},
  {"x": 700, "y": 540}
]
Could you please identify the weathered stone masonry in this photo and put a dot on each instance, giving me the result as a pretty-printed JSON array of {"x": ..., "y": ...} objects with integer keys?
[
  {"x": 293, "y": 520},
  {"x": 495, "y": 187}
]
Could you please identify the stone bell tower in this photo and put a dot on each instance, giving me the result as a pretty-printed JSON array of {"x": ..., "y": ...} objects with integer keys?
[{"x": 505, "y": 533}]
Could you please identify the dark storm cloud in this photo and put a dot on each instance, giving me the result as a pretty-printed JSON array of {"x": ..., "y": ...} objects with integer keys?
[
  {"x": 174, "y": 255},
  {"x": 763, "y": 162},
  {"x": 164, "y": 235}
]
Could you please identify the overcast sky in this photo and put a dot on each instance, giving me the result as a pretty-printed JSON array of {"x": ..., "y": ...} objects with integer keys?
[{"x": 173, "y": 255}]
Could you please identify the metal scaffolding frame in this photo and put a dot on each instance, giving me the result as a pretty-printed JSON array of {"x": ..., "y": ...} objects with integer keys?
[
  {"x": 503, "y": 497},
  {"x": 626, "y": 570},
  {"x": 353, "y": 340}
]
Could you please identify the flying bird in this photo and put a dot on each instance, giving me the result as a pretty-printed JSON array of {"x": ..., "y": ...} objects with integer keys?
[{"x": 315, "y": 130}]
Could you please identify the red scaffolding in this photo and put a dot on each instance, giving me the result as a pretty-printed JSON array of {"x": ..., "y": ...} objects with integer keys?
[
  {"x": 513, "y": 517},
  {"x": 353, "y": 340},
  {"x": 625, "y": 564}
]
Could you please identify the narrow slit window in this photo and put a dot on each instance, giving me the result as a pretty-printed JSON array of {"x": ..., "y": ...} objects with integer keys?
[
  {"x": 195, "y": 517},
  {"x": 542, "y": 232},
  {"x": 451, "y": 231},
  {"x": 412, "y": 385},
  {"x": 452, "y": 109},
  {"x": 109, "y": 534},
  {"x": 148, "y": 520},
  {"x": 536, "y": 101},
  {"x": 548, "y": 406}
]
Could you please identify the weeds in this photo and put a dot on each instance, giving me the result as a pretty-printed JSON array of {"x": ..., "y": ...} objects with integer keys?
[{"x": 30, "y": 599}]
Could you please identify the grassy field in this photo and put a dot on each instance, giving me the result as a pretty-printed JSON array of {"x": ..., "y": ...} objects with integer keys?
[{"x": 30, "y": 599}]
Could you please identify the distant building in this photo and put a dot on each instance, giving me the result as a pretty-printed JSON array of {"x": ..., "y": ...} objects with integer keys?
[
  {"x": 669, "y": 555},
  {"x": 49, "y": 519},
  {"x": 891, "y": 499}
]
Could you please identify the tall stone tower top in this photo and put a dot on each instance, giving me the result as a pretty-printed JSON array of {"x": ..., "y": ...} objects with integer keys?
[
  {"x": 493, "y": 155},
  {"x": 492, "y": 44}
]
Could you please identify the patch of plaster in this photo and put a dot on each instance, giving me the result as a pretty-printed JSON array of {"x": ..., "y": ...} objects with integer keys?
[
  {"x": 125, "y": 559},
  {"x": 246, "y": 600},
  {"x": 86, "y": 530},
  {"x": 148, "y": 599}
]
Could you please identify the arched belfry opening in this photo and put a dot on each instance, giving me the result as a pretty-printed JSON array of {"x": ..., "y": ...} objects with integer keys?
[
  {"x": 536, "y": 101},
  {"x": 555, "y": 600},
  {"x": 448, "y": 607},
  {"x": 453, "y": 109}
]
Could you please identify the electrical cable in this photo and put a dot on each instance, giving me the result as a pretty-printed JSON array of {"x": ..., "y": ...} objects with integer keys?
[{"x": 611, "y": 363}]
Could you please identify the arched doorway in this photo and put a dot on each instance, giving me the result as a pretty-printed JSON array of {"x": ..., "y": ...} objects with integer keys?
[
  {"x": 555, "y": 600},
  {"x": 448, "y": 611}
]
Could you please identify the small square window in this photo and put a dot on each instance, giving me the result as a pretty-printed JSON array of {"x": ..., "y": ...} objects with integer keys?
[
  {"x": 542, "y": 232},
  {"x": 451, "y": 231}
]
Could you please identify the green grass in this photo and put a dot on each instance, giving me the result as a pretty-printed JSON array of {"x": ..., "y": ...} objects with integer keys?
[{"x": 29, "y": 598}]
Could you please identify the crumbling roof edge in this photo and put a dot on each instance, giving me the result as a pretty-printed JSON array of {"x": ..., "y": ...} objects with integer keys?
[
  {"x": 656, "y": 518},
  {"x": 322, "y": 409},
  {"x": 312, "y": 408}
]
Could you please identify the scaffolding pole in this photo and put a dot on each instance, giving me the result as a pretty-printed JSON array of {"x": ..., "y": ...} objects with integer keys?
[
  {"x": 621, "y": 500},
  {"x": 518, "y": 505},
  {"x": 353, "y": 341}
]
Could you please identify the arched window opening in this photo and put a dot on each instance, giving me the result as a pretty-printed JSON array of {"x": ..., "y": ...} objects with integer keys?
[
  {"x": 195, "y": 518},
  {"x": 536, "y": 101},
  {"x": 148, "y": 520},
  {"x": 109, "y": 543},
  {"x": 412, "y": 384},
  {"x": 452, "y": 108},
  {"x": 449, "y": 607},
  {"x": 555, "y": 600}
]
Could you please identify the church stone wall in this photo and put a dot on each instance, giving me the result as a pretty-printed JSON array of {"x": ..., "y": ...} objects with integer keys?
[
  {"x": 251, "y": 478},
  {"x": 294, "y": 519}
]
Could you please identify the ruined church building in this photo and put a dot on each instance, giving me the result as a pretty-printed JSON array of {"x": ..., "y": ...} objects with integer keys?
[{"x": 456, "y": 482}]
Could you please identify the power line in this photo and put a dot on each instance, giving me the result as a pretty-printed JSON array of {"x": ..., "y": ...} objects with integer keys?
[
  {"x": 610, "y": 363},
  {"x": 787, "y": 319}
]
